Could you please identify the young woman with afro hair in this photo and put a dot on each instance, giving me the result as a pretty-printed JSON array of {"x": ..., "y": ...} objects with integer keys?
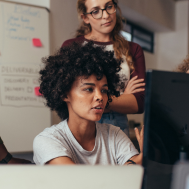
[{"x": 79, "y": 83}]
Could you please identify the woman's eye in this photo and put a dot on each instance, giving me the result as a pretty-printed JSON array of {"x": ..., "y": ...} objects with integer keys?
[
  {"x": 105, "y": 91},
  {"x": 96, "y": 11},
  {"x": 109, "y": 7},
  {"x": 89, "y": 89}
]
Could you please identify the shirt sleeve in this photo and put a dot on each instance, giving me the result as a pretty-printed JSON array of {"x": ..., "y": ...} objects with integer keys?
[
  {"x": 124, "y": 148},
  {"x": 46, "y": 149},
  {"x": 140, "y": 71},
  {"x": 67, "y": 42},
  {"x": 70, "y": 41}
]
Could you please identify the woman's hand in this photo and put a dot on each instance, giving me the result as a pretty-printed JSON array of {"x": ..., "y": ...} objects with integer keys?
[
  {"x": 134, "y": 86},
  {"x": 140, "y": 137}
]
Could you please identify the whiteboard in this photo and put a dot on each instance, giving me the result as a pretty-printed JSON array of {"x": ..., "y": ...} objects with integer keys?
[{"x": 23, "y": 115}]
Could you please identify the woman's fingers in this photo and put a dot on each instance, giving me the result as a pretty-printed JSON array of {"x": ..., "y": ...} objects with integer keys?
[
  {"x": 137, "y": 86},
  {"x": 138, "y": 90},
  {"x": 142, "y": 132},
  {"x": 140, "y": 137},
  {"x": 133, "y": 88},
  {"x": 134, "y": 81},
  {"x": 137, "y": 134},
  {"x": 137, "y": 81},
  {"x": 134, "y": 85},
  {"x": 134, "y": 78}
]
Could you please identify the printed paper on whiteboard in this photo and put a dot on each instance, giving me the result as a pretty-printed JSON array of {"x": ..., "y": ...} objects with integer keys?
[{"x": 17, "y": 84}]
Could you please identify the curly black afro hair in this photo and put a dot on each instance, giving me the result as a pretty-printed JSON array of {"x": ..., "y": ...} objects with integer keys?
[{"x": 70, "y": 62}]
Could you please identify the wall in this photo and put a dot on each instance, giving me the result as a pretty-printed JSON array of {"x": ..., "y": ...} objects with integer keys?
[
  {"x": 170, "y": 22},
  {"x": 170, "y": 48},
  {"x": 63, "y": 21},
  {"x": 63, "y": 24},
  {"x": 173, "y": 46},
  {"x": 157, "y": 15}
]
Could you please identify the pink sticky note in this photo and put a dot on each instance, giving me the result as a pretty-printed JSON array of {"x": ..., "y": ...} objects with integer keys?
[
  {"x": 37, "y": 93},
  {"x": 37, "y": 42}
]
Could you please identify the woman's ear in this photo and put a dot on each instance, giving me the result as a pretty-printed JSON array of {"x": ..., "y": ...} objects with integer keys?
[
  {"x": 65, "y": 98},
  {"x": 85, "y": 18}
]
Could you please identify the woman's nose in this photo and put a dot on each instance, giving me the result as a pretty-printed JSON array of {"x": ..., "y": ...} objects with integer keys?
[
  {"x": 105, "y": 14},
  {"x": 98, "y": 96}
]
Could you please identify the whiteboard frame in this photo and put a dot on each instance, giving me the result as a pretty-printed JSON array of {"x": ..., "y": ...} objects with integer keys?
[{"x": 25, "y": 4}]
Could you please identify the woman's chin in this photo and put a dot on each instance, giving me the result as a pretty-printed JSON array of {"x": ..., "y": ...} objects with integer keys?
[{"x": 97, "y": 118}]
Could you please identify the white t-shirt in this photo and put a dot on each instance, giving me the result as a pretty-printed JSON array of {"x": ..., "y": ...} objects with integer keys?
[{"x": 112, "y": 146}]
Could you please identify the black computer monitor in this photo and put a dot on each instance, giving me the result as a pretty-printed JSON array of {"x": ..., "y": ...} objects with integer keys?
[{"x": 166, "y": 126}]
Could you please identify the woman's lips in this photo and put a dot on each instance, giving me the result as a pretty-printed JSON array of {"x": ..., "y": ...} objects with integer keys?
[
  {"x": 107, "y": 23},
  {"x": 98, "y": 109}
]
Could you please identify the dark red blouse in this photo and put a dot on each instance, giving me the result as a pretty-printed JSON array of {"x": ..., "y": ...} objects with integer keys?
[{"x": 139, "y": 64}]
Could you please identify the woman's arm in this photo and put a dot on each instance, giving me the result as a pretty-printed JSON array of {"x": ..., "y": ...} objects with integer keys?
[
  {"x": 49, "y": 149},
  {"x": 132, "y": 103},
  {"x": 140, "y": 72},
  {"x": 125, "y": 104},
  {"x": 4, "y": 152},
  {"x": 61, "y": 161}
]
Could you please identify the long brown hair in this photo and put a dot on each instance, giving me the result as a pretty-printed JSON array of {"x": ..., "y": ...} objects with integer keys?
[{"x": 120, "y": 44}]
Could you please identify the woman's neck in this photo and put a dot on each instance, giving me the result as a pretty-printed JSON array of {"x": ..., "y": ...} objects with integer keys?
[
  {"x": 98, "y": 37},
  {"x": 82, "y": 130}
]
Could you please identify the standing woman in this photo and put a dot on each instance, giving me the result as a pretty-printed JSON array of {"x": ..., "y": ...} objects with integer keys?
[{"x": 102, "y": 25}]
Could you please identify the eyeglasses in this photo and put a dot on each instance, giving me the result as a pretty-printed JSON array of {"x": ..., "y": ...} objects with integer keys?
[{"x": 97, "y": 13}]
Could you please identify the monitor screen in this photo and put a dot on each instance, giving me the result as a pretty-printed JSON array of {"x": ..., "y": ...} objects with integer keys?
[{"x": 166, "y": 122}]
